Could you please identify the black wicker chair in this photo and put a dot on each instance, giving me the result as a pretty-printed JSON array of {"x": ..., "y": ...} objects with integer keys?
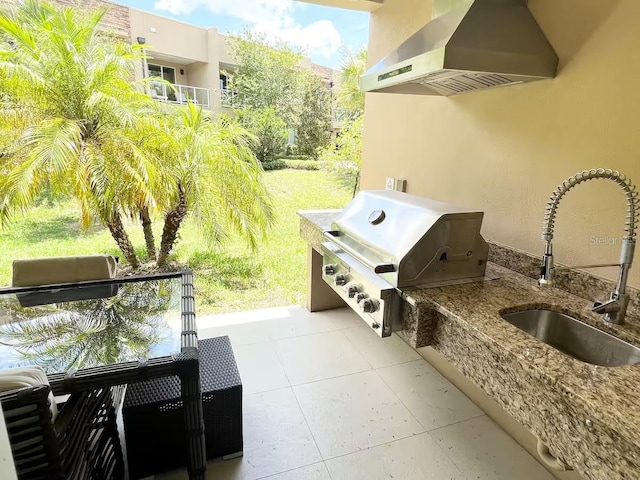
[{"x": 81, "y": 444}]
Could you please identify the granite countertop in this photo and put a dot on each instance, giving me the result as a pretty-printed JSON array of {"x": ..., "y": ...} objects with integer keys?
[
  {"x": 557, "y": 397},
  {"x": 321, "y": 219},
  {"x": 586, "y": 414},
  {"x": 313, "y": 223}
]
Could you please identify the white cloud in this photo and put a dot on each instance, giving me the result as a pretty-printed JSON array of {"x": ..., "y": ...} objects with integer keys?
[
  {"x": 274, "y": 18},
  {"x": 253, "y": 11},
  {"x": 319, "y": 37}
]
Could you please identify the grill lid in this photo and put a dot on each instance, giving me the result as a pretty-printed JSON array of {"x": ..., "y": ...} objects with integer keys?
[{"x": 412, "y": 240}]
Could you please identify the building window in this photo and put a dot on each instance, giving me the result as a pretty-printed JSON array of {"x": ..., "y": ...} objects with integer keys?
[
  {"x": 291, "y": 140},
  {"x": 224, "y": 81},
  {"x": 160, "y": 90},
  {"x": 160, "y": 71}
]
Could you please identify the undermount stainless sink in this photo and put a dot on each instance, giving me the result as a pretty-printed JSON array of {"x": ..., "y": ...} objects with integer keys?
[{"x": 575, "y": 338}]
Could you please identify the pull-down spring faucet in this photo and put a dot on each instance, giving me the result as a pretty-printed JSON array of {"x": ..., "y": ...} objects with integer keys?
[{"x": 615, "y": 308}]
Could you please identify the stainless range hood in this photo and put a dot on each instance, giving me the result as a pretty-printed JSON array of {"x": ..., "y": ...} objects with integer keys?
[{"x": 469, "y": 45}]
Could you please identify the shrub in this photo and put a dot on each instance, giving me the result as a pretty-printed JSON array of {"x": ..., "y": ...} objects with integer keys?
[
  {"x": 270, "y": 130},
  {"x": 274, "y": 165},
  {"x": 292, "y": 151},
  {"x": 284, "y": 156},
  {"x": 304, "y": 164},
  {"x": 347, "y": 151},
  {"x": 345, "y": 157}
]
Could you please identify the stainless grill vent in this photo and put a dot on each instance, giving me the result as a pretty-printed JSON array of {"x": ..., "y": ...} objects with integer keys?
[
  {"x": 467, "y": 82},
  {"x": 469, "y": 45}
]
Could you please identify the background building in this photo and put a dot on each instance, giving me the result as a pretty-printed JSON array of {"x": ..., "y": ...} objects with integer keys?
[
  {"x": 192, "y": 58},
  {"x": 196, "y": 60}
]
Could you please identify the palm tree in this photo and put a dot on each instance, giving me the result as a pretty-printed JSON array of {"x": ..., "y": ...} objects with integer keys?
[
  {"x": 346, "y": 154},
  {"x": 350, "y": 98},
  {"x": 67, "y": 98},
  {"x": 214, "y": 176},
  {"x": 79, "y": 126}
]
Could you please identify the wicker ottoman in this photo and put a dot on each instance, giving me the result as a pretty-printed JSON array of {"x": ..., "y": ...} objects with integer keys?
[{"x": 153, "y": 418}]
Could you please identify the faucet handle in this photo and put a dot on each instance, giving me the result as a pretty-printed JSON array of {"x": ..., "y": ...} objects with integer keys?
[
  {"x": 598, "y": 307},
  {"x": 613, "y": 309},
  {"x": 610, "y": 306},
  {"x": 546, "y": 269}
]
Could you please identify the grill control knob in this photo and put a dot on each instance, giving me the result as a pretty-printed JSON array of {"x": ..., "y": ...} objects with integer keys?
[
  {"x": 353, "y": 290},
  {"x": 369, "y": 305},
  {"x": 361, "y": 296},
  {"x": 341, "y": 280},
  {"x": 329, "y": 269}
]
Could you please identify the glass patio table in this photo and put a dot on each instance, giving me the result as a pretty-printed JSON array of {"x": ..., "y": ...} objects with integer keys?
[{"x": 105, "y": 333}]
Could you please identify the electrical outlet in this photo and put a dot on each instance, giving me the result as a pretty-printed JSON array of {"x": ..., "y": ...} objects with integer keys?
[
  {"x": 390, "y": 184},
  {"x": 400, "y": 185}
]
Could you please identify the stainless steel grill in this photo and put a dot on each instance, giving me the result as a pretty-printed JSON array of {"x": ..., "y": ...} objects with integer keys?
[{"x": 386, "y": 240}]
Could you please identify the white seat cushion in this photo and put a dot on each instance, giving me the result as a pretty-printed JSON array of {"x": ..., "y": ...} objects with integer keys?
[{"x": 22, "y": 377}]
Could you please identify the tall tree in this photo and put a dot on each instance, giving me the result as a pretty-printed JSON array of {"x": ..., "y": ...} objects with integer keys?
[
  {"x": 67, "y": 98},
  {"x": 346, "y": 154},
  {"x": 268, "y": 75},
  {"x": 271, "y": 79},
  {"x": 313, "y": 124}
]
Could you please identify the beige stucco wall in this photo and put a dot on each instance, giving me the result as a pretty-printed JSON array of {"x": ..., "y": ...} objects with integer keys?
[
  {"x": 207, "y": 74},
  {"x": 201, "y": 75},
  {"x": 505, "y": 150},
  {"x": 171, "y": 37}
]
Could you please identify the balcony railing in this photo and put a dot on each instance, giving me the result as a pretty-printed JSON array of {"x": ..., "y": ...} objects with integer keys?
[
  {"x": 180, "y": 94},
  {"x": 229, "y": 98}
]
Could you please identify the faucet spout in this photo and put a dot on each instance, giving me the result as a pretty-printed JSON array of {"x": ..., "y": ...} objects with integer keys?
[{"x": 614, "y": 309}]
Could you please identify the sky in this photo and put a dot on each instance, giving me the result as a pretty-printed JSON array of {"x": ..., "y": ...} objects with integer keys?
[{"x": 322, "y": 32}]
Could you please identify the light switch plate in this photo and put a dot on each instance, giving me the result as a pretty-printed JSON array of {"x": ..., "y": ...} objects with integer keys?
[{"x": 390, "y": 183}]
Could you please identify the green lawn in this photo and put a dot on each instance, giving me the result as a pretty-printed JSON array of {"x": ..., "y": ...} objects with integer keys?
[{"x": 230, "y": 278}]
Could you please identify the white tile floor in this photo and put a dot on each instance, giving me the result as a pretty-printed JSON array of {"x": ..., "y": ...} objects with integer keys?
[{"x": 326, "y": 399}]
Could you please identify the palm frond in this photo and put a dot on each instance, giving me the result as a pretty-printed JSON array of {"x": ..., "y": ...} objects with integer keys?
[
  {"x": 352, "y": 67},
  {"x": 50, "y": 146}
]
